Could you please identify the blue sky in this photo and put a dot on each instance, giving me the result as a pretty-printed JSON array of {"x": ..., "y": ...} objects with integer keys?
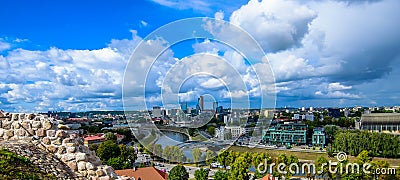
[{"x": 71, "y": 55}]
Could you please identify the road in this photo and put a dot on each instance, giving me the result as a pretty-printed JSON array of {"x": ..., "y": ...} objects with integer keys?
[
  {"x": 294, "y": 149},
  {"x": 204, "y": 134}
]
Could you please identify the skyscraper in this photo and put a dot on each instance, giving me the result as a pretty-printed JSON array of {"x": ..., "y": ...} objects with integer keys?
[
  {"x": 201, "y": 103},
  {"x": 157, "y": 113},
  {"x": 184, "y": 106},
  {"x": 215, "y": 106}
]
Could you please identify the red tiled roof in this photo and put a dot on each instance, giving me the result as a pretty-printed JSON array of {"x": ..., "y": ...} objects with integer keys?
[
  {"x": 267, "y": 177},
  {"x": 93, "y": 138},
  {"x": 147, "y": 173}
]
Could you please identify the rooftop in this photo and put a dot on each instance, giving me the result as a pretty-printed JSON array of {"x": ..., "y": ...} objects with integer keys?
[
  {"x": 143, "y": 173},
  {"x": 378, "y": 118},
  {"x": 94, "y": 138}
]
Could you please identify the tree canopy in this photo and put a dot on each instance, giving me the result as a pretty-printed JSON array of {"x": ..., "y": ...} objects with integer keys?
[
  {"x": 178, "y": 173},
  {"x": 201, "y": 174}
]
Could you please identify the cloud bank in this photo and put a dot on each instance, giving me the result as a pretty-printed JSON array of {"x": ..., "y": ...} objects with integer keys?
[{"x": 322, "y": 53}]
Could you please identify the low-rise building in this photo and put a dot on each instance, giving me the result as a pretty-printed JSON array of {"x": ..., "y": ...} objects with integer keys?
[
  {"x": 89, "y": 140},
  {"x": 318, "y": 137},
  {"x": 236, "y": 131},
  {"x": 380, "y": 122},
  {"x": 290, "y": 133},
  {"x": 309, "y": 116},
  {"x": 143, "y": 173}
]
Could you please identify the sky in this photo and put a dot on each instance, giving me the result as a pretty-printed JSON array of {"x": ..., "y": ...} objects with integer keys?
[{"x": 79, "y": 55}]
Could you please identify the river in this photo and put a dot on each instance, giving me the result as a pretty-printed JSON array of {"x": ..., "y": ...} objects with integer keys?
[{"x": 170, "y": 138}]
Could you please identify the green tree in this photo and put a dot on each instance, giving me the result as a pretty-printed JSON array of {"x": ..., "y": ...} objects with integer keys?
[
  {"x": 173, "y": 154},
  {"x": 201, "y": 174},
  {"x": 330, "y": 132},
  {"x": 362, "y": 158},
  {"x": 127, "y": 154},
  {"x": 191, "y": 131},
  {"x": 287, "y": 161},
  {"x": 378, "y": 144},
  {"x": 211, "y": 130},
  {"x": 382, "y": 164},
  {"x": 239, "y": 169},
  {"x": 223, "y": 158},
  {"x": 110, "y": 136},
  {"x": 210, "y": 156},
  {"x": 93, "y": 147},
  {"x": 221, "y": 175},
  {"x": 177, "y": 155},
  {"x": 157, "y": 151},
  {"x": 118, "y": 163},
  {"x": 178, "y": 173},
  {"x": 107, "y": 150},
  {"x": 196, "y": 155},
  {"x": 232, "y": 157},
  {"x": 128, "y": 136},
  {"x": 167, "y": 153},
  {"x": 141, "y": 165},
  {"x": 322, "y": 167},
  {"x": 329, "y": 150},
  {"x": 260, "y": 158}
]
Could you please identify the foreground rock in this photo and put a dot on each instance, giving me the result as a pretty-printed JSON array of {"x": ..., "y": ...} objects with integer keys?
[{"x": 42, "y": 133}]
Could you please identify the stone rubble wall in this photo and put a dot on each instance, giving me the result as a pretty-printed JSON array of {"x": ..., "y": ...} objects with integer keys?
[
  {"x": 45, "y": 161},
  {"x": 44, "y": 133}
]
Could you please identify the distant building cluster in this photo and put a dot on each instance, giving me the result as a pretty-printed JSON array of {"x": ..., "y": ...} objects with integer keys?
[{"x": 287, "y": 126}]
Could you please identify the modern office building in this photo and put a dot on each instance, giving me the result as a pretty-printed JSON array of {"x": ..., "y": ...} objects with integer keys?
[
  {"x": 380, "y": 122},
  {"x": 184, "y": 106},
  {"x": 157, "y": 112},
  {"x": 215, "y": 106},
  {"x": 290, "y": 133},
  {"x": 200, "y": 105},
  {"x": 318, "y": 137},
  {"x": 201, "y": 102}
]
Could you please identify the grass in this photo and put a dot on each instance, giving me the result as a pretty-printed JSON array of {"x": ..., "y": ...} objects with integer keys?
[
  {"x": 13, "y": 166},
  {"x": 305, "y": 155},
  {"x": 150, "y": 139},
  {"x": 199, "y": 137}
]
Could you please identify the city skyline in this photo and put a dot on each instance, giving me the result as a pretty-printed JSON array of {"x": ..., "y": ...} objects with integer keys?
[{"x": 71, "y": 55}]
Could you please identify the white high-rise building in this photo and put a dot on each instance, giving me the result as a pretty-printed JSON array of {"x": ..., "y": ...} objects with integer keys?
[
  {"x": 157, "y": 112},
  {"x": 226, "y": 119}
]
